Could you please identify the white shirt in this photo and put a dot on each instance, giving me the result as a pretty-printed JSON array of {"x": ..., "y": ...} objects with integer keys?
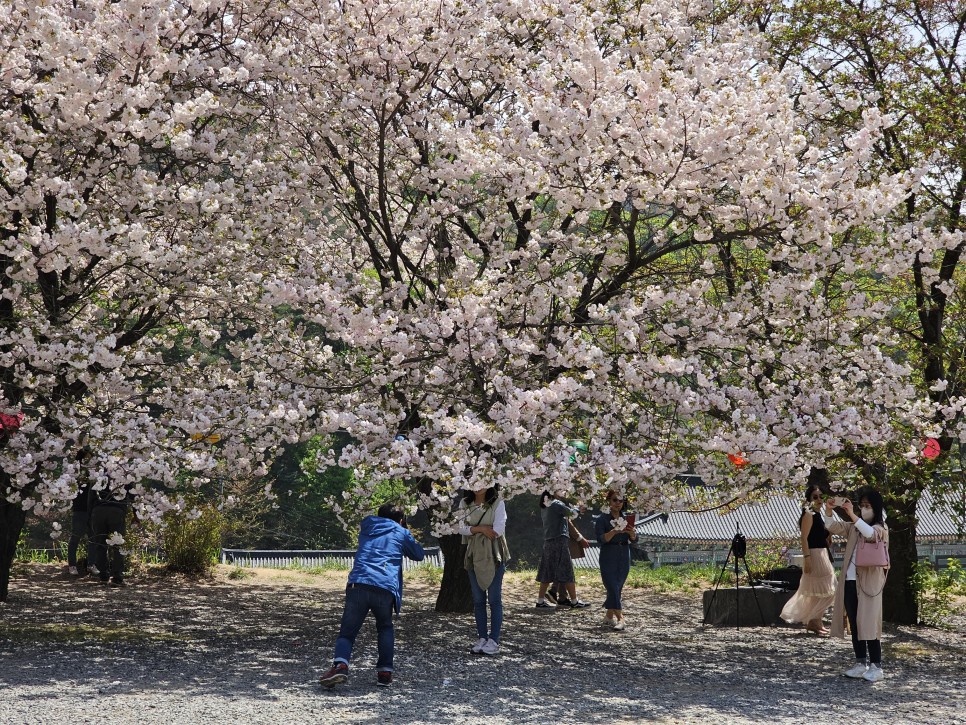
[
  {"x": 499, "y": 517},
  {"x": 864, "y": 529}
]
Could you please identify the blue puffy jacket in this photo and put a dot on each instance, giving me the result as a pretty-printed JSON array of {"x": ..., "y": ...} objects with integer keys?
[{"x": 382, "y": 543}]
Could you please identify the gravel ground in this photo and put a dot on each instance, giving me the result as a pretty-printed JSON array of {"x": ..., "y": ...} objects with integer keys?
[{"x": 170, "y": 650}]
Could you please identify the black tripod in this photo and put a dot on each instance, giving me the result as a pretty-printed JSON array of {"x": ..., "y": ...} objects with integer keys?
[{"x": 737, "y": 549}]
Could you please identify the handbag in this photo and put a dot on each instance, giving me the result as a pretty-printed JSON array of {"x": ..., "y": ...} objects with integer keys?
[
  {"x": 872, "y": 553},
  {"x": 576, "y": 550}
]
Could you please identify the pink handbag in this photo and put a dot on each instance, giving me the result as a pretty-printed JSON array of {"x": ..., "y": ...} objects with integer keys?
[{"x": 872, "y": 553}]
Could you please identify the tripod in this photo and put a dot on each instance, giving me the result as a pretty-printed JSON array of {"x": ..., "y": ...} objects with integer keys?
[{"x": 737, "y": 549}]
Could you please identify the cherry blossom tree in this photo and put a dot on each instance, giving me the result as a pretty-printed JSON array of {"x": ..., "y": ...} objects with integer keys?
[
  {"x": 463, "y": 233},
  {"x": 133, "y": 244},
  {"x": 906, "y": 59},
  {"x": 613, "y": 222}
]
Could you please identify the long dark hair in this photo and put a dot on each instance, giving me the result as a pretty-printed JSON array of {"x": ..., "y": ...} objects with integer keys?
[
  {"x": 491, "y": 495},
  {"x": 544, "y": 497},
  {"x": 875, "y": 501},
  {"x": 808, "y": 500}
]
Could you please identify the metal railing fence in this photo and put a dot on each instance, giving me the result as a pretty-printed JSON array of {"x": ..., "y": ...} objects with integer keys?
[{"x": 280, "y": 559}]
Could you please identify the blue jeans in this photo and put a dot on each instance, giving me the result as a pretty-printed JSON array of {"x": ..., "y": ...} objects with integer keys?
[
  {"x": 615, "y": 565},
  {"x": 495, "y": 595},
  {"x": 360, "y": 599}
]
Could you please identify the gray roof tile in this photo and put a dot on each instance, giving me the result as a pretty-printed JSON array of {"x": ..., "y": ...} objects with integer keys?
[{"x": 777, "y": 517}]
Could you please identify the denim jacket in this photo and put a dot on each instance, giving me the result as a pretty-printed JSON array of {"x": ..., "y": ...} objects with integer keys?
[{"x": 382, "y": 544}]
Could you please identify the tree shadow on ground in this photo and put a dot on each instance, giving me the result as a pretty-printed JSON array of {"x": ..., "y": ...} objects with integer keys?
[{"x": 262, "y": 642}]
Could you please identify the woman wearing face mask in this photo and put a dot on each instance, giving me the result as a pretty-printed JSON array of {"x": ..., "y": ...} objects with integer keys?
[
  {"x": 817, "y": 587},
  {"x": 859, "y": 591}
]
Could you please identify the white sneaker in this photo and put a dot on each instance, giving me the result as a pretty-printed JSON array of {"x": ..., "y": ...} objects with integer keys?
[
  {"x": 478, "y": 647},
  {"x": 857, "y": 671},
  {"x": 619, "y": 625},
  {"x": 72, "y": 570},
  {"x": 874, "y": 673},
  {"x": 610, "y": 620},
  {"x": 490, "y": 647}
]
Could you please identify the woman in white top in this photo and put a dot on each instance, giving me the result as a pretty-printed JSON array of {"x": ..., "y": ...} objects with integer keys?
[
  {"x": 482, "y": 524},
  {"x": 859, "y": 590}
]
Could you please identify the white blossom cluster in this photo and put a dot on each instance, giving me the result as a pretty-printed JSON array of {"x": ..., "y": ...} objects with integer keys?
[{"x": 466, "y": 233}]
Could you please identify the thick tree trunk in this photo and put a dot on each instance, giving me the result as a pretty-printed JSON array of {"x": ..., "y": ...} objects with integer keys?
[
  {"x": 12, "y": 518},
  {"x": 899, "y": 596},
  {"x": 454, "y": 591}
]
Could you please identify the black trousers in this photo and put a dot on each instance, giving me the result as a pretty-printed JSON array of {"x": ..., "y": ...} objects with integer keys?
[
  {"x": 860, "y": 646},
  {"x": 106, "y": 520}
]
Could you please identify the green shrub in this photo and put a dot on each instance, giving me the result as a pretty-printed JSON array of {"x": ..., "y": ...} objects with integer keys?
[
  {"x": 764, "y": 555},
  {"x": 191, "y": 545},
  {"x": 935, "y": 591}
]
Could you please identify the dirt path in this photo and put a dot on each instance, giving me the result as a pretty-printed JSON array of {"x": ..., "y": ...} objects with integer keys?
[{"x": 169, "y": 650}]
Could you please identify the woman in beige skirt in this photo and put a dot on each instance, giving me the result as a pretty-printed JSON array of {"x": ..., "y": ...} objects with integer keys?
[{"x": 816, "y": 591}]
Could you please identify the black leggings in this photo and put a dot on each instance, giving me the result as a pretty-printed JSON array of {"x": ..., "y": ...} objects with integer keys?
[{"x": 859, "y": 645}]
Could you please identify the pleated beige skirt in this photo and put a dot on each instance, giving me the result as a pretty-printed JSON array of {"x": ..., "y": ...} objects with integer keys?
[{"x": 816, "y": 591}]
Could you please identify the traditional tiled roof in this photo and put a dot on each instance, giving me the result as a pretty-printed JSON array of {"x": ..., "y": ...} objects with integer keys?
[
  {"x": 777, "y": 517},
  {"x": 938, "y": 520}
]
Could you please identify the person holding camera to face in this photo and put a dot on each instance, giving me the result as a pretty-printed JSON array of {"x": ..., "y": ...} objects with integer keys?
[
  {"x": 860, "y": 585},
  {"x": 375, "y": 585}
]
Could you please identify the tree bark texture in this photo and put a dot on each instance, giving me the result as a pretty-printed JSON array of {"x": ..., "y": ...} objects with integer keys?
[
  {"x": 455, "y": 594},
  {"x": 12, "y": 519},
  {"x": 899, "y": 596}
]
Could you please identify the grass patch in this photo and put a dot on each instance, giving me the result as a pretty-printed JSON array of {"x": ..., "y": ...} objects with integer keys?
[
  {"x": 682, "y": 578},
  {"x": 238, "y": 574},
  {"x": 316, "y": 568},
  {"x": 916, "y": 651},
  {"x": 71, "y": 633},
  {"x": 425, "y": 573}
]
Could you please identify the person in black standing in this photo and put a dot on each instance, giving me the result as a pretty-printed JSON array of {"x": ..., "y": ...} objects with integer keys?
[
  {"x": 79, "y": 518},
  {"x": 108, "y": 526}
]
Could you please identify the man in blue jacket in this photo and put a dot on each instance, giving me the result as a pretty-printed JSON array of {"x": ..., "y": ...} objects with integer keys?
[{"x": 375, "y": 584}]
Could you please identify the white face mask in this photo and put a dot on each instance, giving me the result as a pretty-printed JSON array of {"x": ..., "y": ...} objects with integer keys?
[{"x": 867, "y": 514}]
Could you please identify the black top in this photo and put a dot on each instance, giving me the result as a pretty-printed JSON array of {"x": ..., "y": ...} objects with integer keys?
[
  {"x": 817, "y": 535},
  {"x": 81, "y": 502}
]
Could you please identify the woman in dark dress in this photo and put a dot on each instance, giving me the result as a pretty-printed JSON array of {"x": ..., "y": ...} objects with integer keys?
[{"x": 614, "y": 537}]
